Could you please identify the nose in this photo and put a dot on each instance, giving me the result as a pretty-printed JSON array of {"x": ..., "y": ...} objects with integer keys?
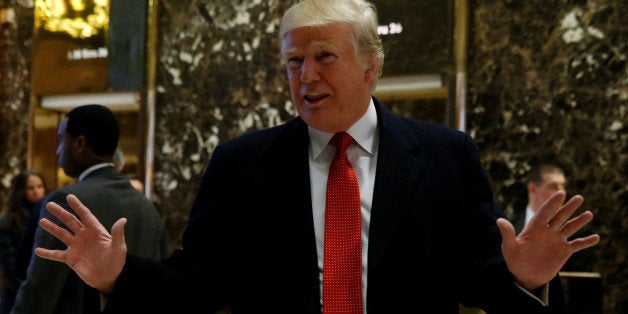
[{"x": 309, "y": 72}]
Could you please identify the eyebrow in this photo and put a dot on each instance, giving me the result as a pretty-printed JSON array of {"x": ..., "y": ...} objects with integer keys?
[
  {"x": 319, "y": 44},
  {"x": 290, "y": 50}
]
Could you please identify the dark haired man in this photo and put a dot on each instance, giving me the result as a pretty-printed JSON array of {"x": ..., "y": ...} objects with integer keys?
[
  {"x": 88, "y": 137},
  {"x": 543, "y": 180}
]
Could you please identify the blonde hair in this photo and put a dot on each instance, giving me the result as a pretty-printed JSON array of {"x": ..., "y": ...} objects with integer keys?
[{"x": 359, "y": 14}]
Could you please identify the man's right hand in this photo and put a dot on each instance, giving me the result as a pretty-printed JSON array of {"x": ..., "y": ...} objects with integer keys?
[{"x": 95, "y": 255}]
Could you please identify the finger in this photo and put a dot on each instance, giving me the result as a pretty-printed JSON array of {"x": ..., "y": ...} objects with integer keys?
[
  {"x": 507, "y": 231},
  {"x": 82, "y": 211},
  {"x": 575, "y": 224},
  {"x": 60, "y": 233},
  {"x": 55, "y": 255},
  {"x": 117, "y": 233},
  {"x": 69, "y": 220},
  {"x": 564, "y": 212},
  {"x": 549, "y": 208},
  {"x": 584, "y": 243}
]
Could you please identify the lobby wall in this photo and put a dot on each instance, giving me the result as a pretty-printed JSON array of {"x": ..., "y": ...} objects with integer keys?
[{"x": 547, "y": 79}]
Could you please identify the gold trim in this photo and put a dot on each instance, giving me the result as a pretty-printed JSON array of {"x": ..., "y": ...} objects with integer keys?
[
  {"x": 149, "y": 112},
  {"x": 577, "y": 274},
  {"x": 461, "y": 16}
]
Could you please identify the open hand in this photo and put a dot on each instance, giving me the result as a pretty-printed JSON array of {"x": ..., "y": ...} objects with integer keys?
[
  {"x": 538, "y": 253},
  {"x": 96, "y": 256}
]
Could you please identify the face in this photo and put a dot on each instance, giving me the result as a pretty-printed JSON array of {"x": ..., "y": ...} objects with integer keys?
[
  {"x": 330, "y": 85},
  {"x": 552, "y": 182},
  {"x": 34, "y": 188},
  {"x": 65, "y": 150},
  {"x": 137, "y": 184}
]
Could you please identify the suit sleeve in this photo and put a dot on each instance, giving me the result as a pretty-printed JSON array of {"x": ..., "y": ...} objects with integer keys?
[{"x": 487, "y": 282}]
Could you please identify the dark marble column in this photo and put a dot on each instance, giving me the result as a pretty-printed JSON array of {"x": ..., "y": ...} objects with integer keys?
[
  {"x": 219, "y": 75},
  {"x": 16, "y": 33}
]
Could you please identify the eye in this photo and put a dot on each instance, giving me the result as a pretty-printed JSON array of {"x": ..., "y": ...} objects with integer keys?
[
  {"x": 325, "y": 54},
  {"x": 294, "y": 61},
  {"x": 326, "y": 57}
]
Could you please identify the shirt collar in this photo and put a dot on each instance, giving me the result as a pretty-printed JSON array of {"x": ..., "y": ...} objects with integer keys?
[
  {"x": 92, "y": 168},
  {"x": 363, "y": 132},
  {"x": 528, "y": 216}
]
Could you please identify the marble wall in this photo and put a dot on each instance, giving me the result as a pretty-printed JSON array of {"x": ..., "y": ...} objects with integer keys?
[
  {"x": 219, "y": 76},
  {"x": 15, "y": 55},
  {"x": 547, "y": 79}
]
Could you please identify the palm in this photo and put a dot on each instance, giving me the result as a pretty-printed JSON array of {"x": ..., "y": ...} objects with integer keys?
[
  {"x": 536, "y": 255},
  {"x": 94, "y": 254}
]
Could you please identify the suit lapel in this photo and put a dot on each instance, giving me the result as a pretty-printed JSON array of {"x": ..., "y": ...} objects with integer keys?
[
  {"x": 398, "y": 173},
  {"x": 285, "y": 162},
  {"x": 284, "y": 174}
]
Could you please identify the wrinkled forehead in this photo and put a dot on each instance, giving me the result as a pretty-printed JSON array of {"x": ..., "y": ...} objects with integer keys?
[{"x": 291, "y": 48}]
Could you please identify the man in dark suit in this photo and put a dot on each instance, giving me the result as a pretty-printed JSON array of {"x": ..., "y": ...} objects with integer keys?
[
  {"x": 255, "y": 241},
  {"x": 88, "y": 137},
  {"x": 543, "y": 180},
  {"x": 583, "y": 287}
]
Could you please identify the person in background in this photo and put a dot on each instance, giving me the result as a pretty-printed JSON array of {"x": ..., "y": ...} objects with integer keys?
[
  {"x": 422, "y": 232},
  {"x": 27, "y": 188},
  {"x": 119, "y": 161},
  {"x": 88, "y": 136},
  {"x": 543, "y": 180},
  {"x": 137, "y": 183}
]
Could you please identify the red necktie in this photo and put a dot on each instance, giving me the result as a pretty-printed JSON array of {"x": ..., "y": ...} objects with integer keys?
[{"x": 342, "y": 264}]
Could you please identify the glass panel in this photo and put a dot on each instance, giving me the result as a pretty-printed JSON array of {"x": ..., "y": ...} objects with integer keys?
[
  {"x": 421, "y": 42},
  {"x": 417, "y": 36},
  {"x": 70, "y": 47}
]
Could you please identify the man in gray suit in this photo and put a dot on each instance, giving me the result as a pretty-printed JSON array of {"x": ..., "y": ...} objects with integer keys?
[{"x": 88, "y": 137}]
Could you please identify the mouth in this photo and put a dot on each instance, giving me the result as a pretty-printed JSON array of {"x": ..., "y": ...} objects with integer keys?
[{"x": 314, "y": 97}]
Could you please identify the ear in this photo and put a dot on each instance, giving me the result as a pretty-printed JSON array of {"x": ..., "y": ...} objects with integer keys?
[
  {"x": 531, "y": 188},
  {"x": 80, "y": 144},
  {"x": 372, "y": 69}
]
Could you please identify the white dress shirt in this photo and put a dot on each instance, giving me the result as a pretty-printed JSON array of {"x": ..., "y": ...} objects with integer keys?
[
  {"x": 528, "y": 216},
  {"x": 362, "y": 155}
]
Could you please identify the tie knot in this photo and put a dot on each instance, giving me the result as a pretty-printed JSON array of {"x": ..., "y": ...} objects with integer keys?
[{"x": 341, "y": 140}]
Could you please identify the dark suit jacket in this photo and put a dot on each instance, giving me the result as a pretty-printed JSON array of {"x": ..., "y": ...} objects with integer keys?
[
  {"x": 12, "y": 258},
  {"x": 25, "y": 247},
  {"x": 14, "y": 271},
  {"x": 250, "y": 240},
  {"x": 52, "y": 287}
]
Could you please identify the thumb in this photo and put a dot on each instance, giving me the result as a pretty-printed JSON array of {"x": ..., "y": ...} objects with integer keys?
[
  {"x": 117, "y": 233},
  {"x": 507, "y": 231}
]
